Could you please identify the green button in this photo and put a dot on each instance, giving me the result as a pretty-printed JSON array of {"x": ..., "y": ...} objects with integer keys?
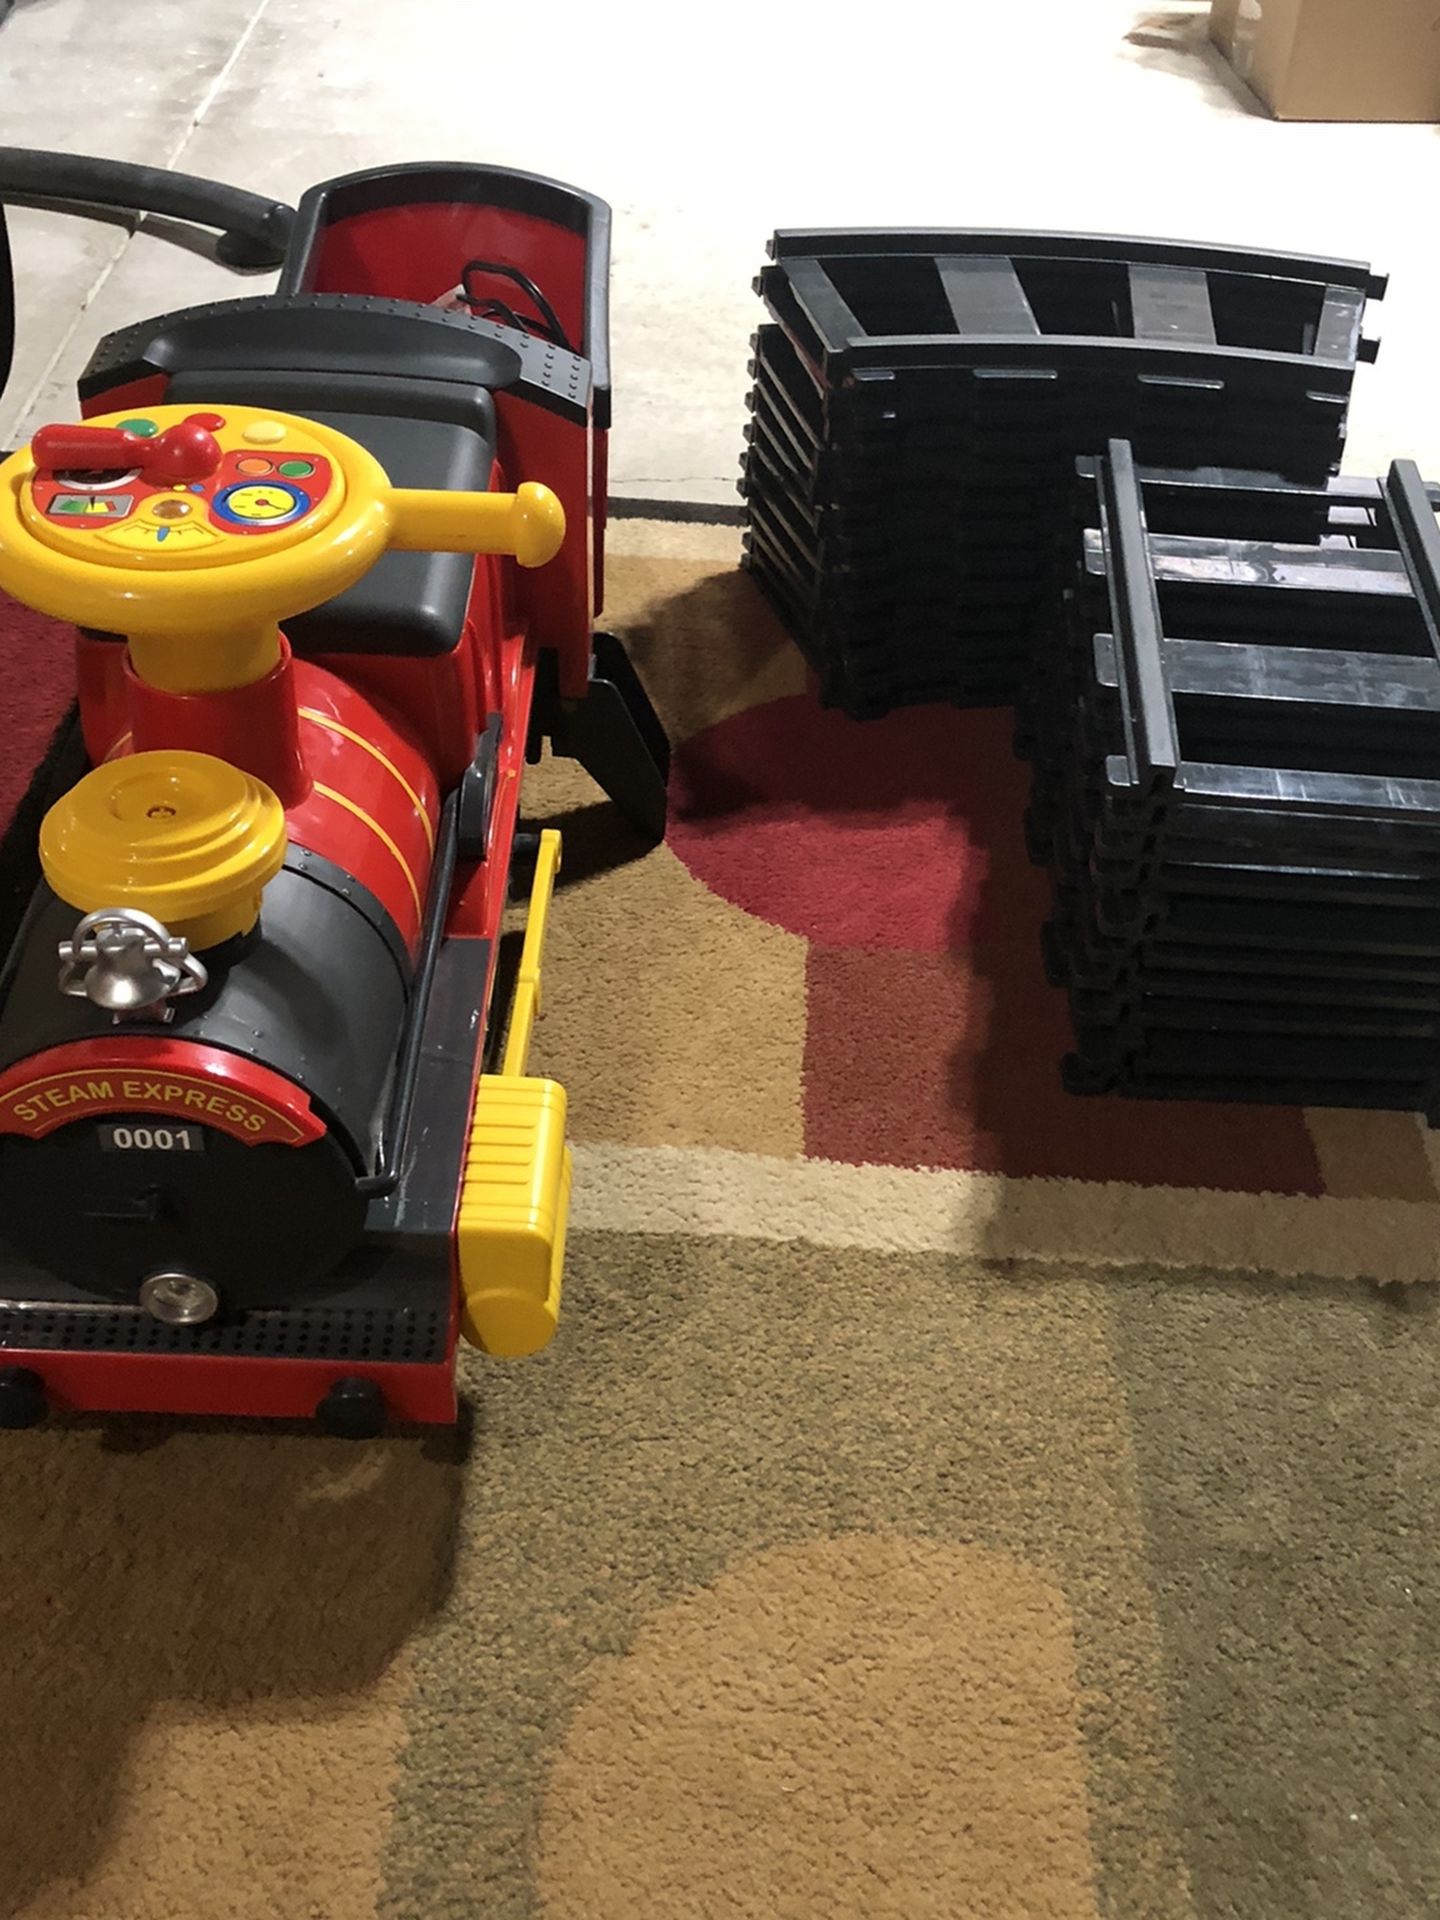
[
  {"x": 145, "y": 428},
  {"x": 296, "y": 469}
]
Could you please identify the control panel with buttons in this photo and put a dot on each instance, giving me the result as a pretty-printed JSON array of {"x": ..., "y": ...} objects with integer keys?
[
  {"x": 196, "y": 533},
  {"x": 179, "y": 488}
]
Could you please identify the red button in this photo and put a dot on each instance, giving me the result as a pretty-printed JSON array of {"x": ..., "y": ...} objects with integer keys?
[{"x": 212, "y": 422}]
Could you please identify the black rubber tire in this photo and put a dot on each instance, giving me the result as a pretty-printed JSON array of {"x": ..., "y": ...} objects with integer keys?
[
  {"x": 22, "y": 1398},
  {"x": 353, "y": 1409}
]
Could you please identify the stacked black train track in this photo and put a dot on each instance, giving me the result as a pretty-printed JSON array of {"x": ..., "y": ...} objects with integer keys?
[
  {"x": 920, "y": 399},
  {"x": 1237, "y": 789}
]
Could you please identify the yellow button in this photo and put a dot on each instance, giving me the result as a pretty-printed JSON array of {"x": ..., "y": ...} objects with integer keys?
[{"x": 263, "y": 433}]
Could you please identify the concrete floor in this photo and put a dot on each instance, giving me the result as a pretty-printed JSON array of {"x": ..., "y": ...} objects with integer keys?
[{"x": 707, "y": 130}]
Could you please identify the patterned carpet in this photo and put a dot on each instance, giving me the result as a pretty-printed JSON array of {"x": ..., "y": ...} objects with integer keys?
[{"x": 945, "y": 1498}]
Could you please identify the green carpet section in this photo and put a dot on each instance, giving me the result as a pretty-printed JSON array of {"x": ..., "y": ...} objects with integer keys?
[
  {"x": 1287, "y": 1451},
  {"x": 720, "y": 1417},
  {"x": 800, "y": 1583}
]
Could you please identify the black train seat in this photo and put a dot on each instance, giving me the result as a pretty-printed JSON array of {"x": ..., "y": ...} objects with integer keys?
[
  {"x": 408, "y": 603},
  {"x": 412, "y": 385}
]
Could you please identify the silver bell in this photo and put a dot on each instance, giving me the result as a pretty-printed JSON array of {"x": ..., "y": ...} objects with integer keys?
[{"x": 129, "y": 964}]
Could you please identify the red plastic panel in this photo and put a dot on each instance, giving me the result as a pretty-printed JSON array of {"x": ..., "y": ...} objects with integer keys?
[
  {"x": 599, "y": 513},
  {"x": 139, "y": 394},
  {"x": 556, "y": 601},
  {"x": 101, "y": 682},
  {"x": 419, "y": 253},
  {"x": 254, "y": 727},
  {"x": 373, "y": 804},
  {"x": 199, "y": 1384}
]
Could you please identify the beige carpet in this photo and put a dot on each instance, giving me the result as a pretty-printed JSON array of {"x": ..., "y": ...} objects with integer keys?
[{"x": 944, "y": 1498}]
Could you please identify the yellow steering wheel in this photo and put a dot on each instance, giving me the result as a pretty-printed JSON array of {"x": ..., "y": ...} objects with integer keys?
[{"x": 194, "y": 531}]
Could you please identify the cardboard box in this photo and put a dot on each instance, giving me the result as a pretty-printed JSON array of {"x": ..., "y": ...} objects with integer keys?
[{"x": 1335, "y": 59}]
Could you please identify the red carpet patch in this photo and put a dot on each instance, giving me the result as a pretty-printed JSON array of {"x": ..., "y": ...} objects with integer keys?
[
  {"x": 37, "y": 677},
  {"x": 932, "y": 1037}
]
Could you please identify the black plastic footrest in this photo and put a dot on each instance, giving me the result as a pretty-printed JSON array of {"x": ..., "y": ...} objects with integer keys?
[{"x": 616, "y": 735}]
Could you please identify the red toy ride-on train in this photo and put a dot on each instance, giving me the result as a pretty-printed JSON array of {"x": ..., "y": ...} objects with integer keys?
[{"x": 333, "y": 557}]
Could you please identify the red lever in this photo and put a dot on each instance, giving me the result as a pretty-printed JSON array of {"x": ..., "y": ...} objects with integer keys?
[{"x": 186, "y": 451}]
